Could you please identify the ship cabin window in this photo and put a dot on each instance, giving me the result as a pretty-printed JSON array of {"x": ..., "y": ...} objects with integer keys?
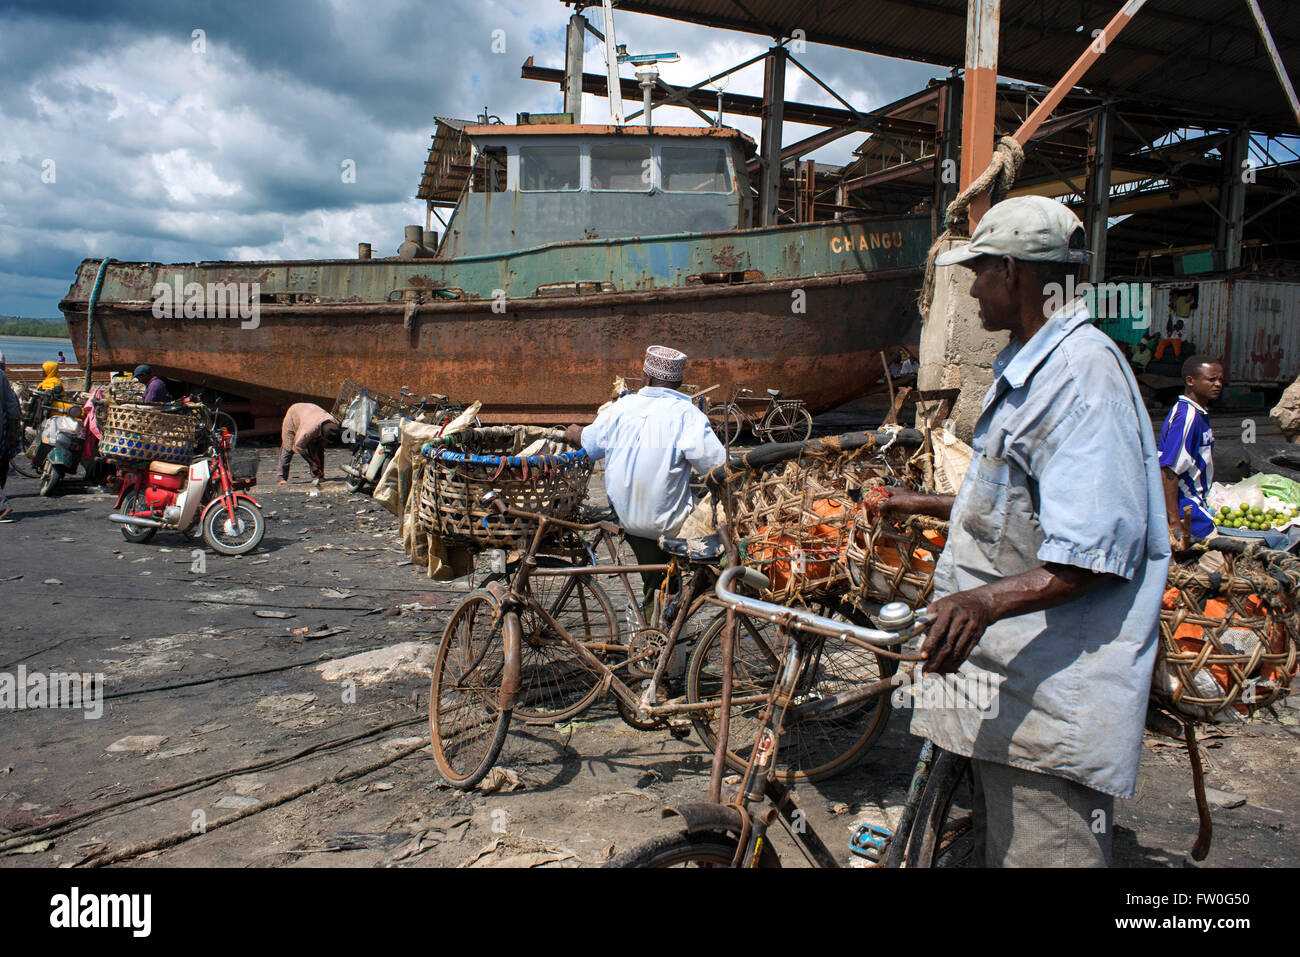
[
  {"x": 621, "y": 166},
  {"x": 694, "y": 170},
  {"x": 549, "y": 168},
  {"x": 489, "y": 174}
]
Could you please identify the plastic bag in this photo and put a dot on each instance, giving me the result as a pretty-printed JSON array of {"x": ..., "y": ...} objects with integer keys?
[{"x": 360, "y": 411}]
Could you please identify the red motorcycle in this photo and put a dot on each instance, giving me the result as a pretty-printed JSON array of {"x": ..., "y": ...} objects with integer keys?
[{"x": 207, "y": 496}]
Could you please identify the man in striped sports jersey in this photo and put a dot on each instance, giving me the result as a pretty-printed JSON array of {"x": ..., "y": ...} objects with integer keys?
[{"x": 1187, "y": 450}]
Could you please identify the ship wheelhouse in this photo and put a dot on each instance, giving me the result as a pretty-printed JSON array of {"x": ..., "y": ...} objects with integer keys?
[{"x": 540, "y": 184}]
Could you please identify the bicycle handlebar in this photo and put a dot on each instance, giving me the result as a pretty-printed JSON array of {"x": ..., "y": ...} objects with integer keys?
[{"x": 909, "y": 623}]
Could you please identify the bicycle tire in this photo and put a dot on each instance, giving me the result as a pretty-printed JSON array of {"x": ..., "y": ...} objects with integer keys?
[
  {"x": 787, "y": 423},
  {"x": 801, "y": 757},
  {"x": 937, "y": 834},
  {"x": 24, "y": 470},
  {"x": 555, "y": 684},
  {"x": 467, "y": 724},
  {"x": 726, "y": 421},
  {"x": 224, "y": 420},
  {"x": 708, "y": 849}
]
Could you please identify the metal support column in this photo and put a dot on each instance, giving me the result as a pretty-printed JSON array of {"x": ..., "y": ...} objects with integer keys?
[
  {"x": 1232, "y": 197},
  {"x": 1099, "y": 172},
  {"x": 773, "y": 121},
  {"x": 573, "y": 66},
  {"x": 947, "y": 138},
  {"x": 980, "y": 100}
]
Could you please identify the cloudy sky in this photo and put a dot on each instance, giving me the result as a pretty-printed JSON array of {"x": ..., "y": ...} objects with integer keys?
[{"x": 127, "y": 134}]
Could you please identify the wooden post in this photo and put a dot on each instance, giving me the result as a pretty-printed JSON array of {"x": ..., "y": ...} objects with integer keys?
[
  {"x": 573, "y": 66},
  {"x": 979, "y": 103}
]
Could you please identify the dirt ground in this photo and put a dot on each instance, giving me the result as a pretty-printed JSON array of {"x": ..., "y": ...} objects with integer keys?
[{"x": 224, "y": 739}]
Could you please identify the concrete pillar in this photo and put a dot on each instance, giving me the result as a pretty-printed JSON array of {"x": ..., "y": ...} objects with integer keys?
[
  {"x": 956, "y": 351},
  {"x": 573, "y": 66},
  {"x": 770, "y": 145}
]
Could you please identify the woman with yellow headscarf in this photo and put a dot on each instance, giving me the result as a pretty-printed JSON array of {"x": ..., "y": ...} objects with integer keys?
[{"x": 51, "y": 380}]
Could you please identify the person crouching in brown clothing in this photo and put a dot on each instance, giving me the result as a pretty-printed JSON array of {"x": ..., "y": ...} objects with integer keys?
[{"x": 307, "y": 429}]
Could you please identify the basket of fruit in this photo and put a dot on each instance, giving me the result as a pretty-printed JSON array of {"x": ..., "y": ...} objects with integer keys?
[{"x": 1253, "y": 521}]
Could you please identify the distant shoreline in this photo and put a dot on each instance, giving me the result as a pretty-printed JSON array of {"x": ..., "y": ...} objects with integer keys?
[{"x": 7, "y": 335}]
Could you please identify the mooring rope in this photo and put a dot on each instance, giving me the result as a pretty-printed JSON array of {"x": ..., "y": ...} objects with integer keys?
[{"x": 1003, "y": 168}]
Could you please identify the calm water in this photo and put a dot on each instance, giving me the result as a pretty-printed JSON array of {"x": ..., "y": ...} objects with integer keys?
[{"x": 18, "y": 349}]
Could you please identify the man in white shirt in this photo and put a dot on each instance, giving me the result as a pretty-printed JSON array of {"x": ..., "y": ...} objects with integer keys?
[{"x": 650, "y": 441}]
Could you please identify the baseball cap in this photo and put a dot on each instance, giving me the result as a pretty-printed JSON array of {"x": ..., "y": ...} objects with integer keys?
[{"x": 1029, "y": 228}]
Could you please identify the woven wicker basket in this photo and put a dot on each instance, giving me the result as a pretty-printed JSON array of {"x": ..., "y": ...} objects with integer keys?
[
  {"x": 795, "y": 515},
  {"x": 486, "y": 460},
  {"x": 1229, "y": 634},
  {"x": 894, "y": 560},
  {"x": 133, "y": 433}
]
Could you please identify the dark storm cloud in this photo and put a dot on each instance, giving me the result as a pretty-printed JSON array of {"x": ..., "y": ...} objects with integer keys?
[{"x": 119, "y": 139}]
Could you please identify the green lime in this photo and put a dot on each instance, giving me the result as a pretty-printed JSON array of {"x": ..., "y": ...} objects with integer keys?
[{"x": 1243, "y": 508}]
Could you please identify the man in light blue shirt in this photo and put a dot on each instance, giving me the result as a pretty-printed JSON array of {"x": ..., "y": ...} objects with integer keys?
[
  {"x": 1049, "y": 587},
  {"x": 651, "y": 440}
]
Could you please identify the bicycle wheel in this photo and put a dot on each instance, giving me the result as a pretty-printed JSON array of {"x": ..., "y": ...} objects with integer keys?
[
  {"x": 787, "y": 423},
  {"x": 223, "y": 420},
  {"x": 942, "y": 833},
  {"x": 689, "y": 850},
  {"x": 21, "y": 464},
  {"x": 813, "y": 749},
  {"x": 466, "y": 721},
  {"x": 726, "y": 421},
  {"x": 555, "y": 684}
]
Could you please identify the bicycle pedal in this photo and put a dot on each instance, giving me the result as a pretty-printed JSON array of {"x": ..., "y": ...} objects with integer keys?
[
  {"x": 679, "y": 732},
  {"x": 871, "y": 841}
]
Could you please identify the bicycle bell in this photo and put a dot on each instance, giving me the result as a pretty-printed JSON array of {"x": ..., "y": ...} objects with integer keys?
[{"x": 895, "y": 616}]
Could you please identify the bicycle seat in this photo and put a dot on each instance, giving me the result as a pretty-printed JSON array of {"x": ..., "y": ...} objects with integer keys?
[
  {"x": 774, "y": 393},
  {"x": 435, "y": 397},
  {"x": 704, "y": 551}
]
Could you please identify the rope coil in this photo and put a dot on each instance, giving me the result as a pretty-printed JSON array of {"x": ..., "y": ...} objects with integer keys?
[{"x": 1003, "y": 168}]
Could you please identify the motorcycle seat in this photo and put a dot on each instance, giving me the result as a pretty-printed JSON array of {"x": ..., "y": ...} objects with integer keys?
[{"x": 166, "y": 468}]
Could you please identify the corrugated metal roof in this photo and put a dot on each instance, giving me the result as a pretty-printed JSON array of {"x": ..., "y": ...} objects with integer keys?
[
  {"x": 1199, "y": 55},
  {"x": 447, "y": 165}
]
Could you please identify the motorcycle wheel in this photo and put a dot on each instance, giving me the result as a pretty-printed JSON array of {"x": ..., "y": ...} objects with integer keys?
[
  {"x": 238, "y": 539},
  {"x": 51, "y": 476},
  {"x": 358, "y": 481},
  {"x": 138, "y": 534}
]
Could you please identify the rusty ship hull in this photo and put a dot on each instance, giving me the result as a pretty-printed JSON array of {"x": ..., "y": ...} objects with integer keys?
[{"x": 544, "y": 357}]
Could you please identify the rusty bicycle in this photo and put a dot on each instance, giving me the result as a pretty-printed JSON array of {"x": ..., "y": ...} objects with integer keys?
[
  {"x": 770, "y": 417},
  {"x": 543, "y": 644},
  {"x": 935, "y": 828}
]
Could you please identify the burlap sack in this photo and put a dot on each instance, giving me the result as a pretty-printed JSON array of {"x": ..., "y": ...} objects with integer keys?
[
  {"x": 402, "y": 476},
  {"x": 952, "y": 459}
]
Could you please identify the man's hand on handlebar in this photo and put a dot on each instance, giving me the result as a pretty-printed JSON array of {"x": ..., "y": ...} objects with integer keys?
[
  {"x": 573, "y": 435},
  {"x": 957, "y": 623}
]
